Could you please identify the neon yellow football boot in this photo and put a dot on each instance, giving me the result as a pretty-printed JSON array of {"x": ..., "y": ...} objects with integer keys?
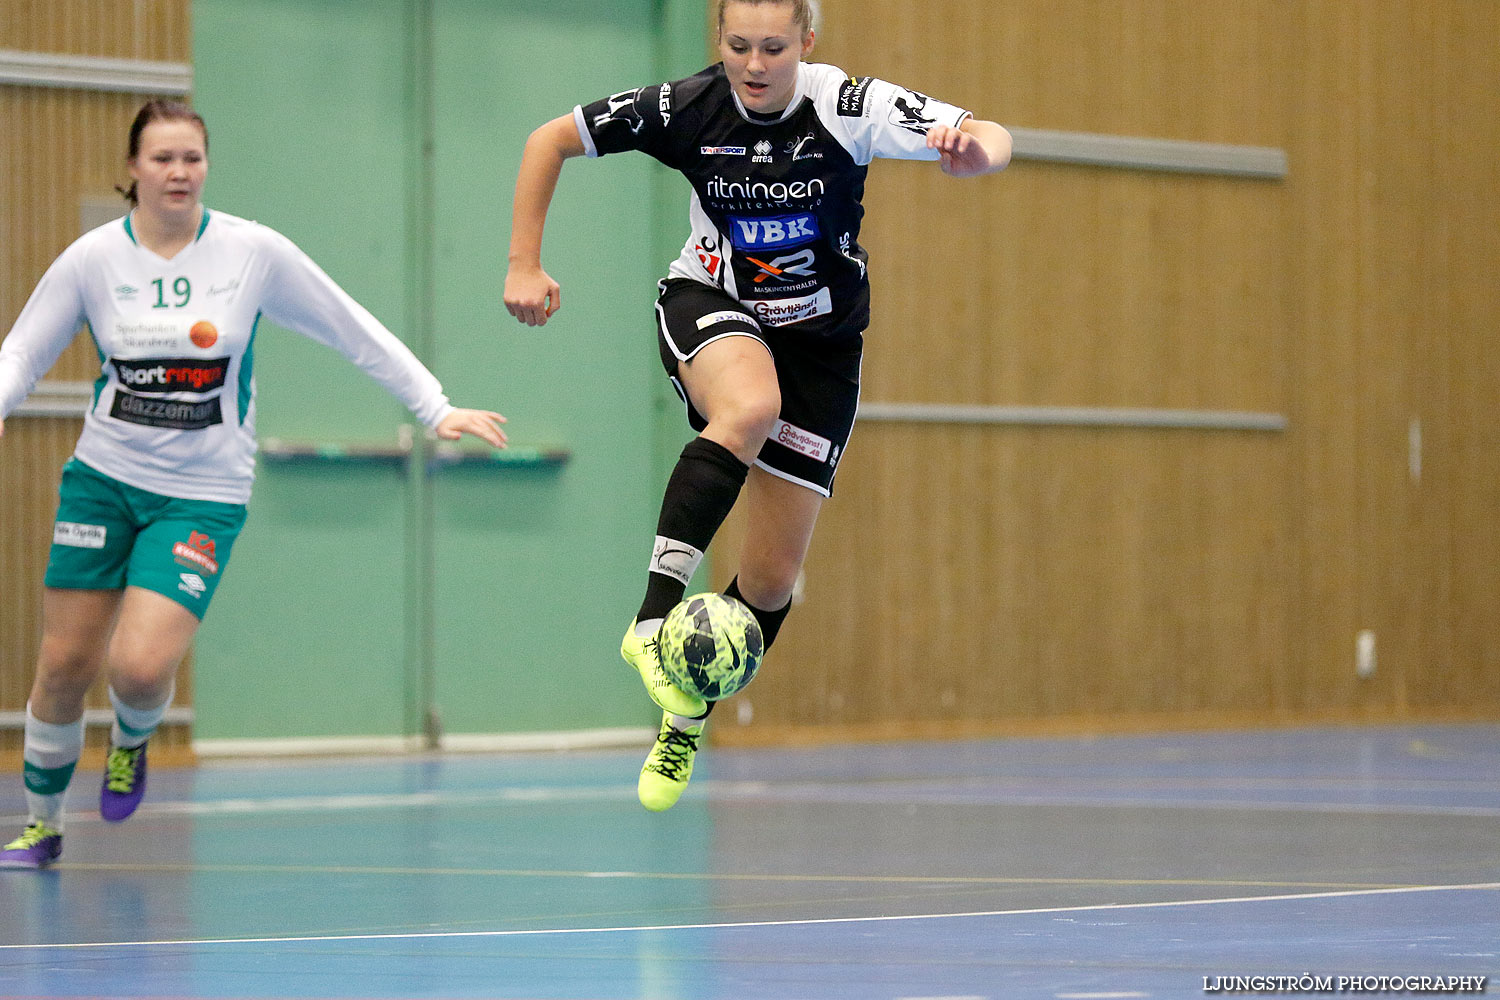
[
  {"x": 669, "y": 765},
  {"x": 641, "y": 653}
]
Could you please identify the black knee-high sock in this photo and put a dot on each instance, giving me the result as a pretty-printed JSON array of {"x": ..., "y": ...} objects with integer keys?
[
  {"x": 700, "y": 493},
  {"x": 770, "y": 621}
]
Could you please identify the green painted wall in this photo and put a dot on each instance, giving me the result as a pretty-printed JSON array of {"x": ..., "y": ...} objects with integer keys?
[{"x": 315, "y": 111}]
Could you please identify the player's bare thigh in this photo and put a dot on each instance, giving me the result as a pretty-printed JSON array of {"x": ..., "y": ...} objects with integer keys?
[{"x": 732, "y": 382}]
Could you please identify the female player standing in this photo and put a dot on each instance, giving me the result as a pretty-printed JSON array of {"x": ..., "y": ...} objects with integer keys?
[
  {"x": 154, "y": 497},
  {"x": 760, "y": 321}
]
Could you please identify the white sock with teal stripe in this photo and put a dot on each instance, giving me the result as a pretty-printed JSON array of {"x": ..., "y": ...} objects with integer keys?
[
  {"x": 50, "y": 754},
  {"x": 134, "y": 726}
]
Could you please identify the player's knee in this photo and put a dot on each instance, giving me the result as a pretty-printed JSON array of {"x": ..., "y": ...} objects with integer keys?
[
  {"x": 768, "y": 582},
  {"x": 140, "y": 674},
  {"x": 64, "y": 671},
  {"x": 756, "y": 415},
  {"x": 746, "y": 422}
]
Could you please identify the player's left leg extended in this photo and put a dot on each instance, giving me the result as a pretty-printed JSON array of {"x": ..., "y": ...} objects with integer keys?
[
  {"x": 779, "y": 527},
  {"x": 151, "y": 638}
]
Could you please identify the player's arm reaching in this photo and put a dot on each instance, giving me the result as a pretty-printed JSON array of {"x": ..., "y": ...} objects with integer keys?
[
  {"x": 975, "y": 147},
  {"x": 531, "y": 295}
]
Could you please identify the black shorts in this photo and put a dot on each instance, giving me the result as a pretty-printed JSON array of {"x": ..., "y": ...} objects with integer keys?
[{"x": 819, "y": 382}]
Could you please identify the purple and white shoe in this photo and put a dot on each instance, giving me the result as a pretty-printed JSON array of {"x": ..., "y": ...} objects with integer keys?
[
  {"x": 37, "y": 847},
  {"x": 124, "y": 782}
]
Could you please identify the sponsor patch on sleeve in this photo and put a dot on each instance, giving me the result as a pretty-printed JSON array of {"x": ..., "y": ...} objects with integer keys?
[{"x": 852, "y": 96}]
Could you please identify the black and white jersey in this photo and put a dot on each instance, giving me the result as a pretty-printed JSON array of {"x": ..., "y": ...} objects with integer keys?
[{"x": 775, "y": 209}]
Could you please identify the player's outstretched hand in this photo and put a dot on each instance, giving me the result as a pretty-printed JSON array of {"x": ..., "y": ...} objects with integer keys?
[
  {"x": 531, "y": 295},
  {"x": 960, "y": 153},
  {"x": 480, "y": 423},
  {"x": 2, "y": 428}
]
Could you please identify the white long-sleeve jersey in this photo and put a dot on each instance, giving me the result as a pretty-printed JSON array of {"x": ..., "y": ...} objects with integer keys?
[{"x": 174, "y": 405}]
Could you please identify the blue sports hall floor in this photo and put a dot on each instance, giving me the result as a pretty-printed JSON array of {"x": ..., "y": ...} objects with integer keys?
[{"x": 1117, "y": 867}]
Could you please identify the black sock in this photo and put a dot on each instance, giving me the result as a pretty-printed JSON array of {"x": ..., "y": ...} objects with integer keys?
[
  {"x": 770, "y": 621},
  {"x": 700, "y": 494}
]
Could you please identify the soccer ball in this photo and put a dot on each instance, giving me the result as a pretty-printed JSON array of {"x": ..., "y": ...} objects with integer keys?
[{"x": 710, "y": 645}]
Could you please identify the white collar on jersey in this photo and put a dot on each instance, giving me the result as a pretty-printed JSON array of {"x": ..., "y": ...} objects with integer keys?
[{"x": 797, "y": 95}]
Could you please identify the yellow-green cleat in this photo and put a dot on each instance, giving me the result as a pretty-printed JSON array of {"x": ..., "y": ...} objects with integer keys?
[
  {"x": 641, "y": 653},
  {"x": 669, "y": 765}
]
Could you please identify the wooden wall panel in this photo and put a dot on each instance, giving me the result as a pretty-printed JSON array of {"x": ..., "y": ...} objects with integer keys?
[
  {"x": 1460, "y": 394},
  {"x": 971, "y": 579},
  {"x": 61, "y": 147},
  {"x": 158, "y": 30}
]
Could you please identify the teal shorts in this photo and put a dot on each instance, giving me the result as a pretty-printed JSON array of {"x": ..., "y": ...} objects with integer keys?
[{"x": 109, "y": 536}]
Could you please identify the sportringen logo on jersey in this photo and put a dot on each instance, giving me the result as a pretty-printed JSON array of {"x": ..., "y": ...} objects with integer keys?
[
  {"x": 773, "y": 231},
  {"x": 156, "y": 375},
  {"x": 722, "y": 150}
]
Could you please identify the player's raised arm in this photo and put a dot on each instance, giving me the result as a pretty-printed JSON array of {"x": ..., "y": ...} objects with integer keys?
[
  {"x": 976, "y": 147},
  {"x": 531, "y": 295}
]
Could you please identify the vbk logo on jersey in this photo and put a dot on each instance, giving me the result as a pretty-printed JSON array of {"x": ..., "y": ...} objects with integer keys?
[{"x": 770, "y": 232}]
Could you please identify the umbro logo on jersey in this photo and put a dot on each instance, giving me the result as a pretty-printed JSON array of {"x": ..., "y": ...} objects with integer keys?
[
  {"x": 722, "y": 150},
  {"x": 126, "y": 291}
]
